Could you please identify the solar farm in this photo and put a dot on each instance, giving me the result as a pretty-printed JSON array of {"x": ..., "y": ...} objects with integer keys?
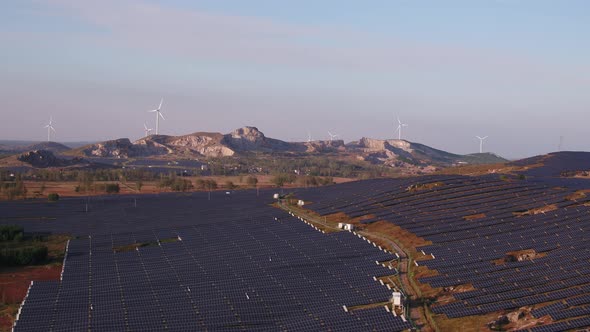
[
  {"x": 471, "y": 226},
  {"x": 193, "y": 263},
  {"x": 499, "y": 252}
]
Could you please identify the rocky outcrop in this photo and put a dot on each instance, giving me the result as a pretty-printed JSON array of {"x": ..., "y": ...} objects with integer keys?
[
  {"x": 44, "y": 159},
  {"x": 119, "y": 148},
  {"x": 147, "y": 147},
  {"x": 251, "y": 139},
  {"x": 324, "y": 146},
  {"x": 206, "y": 144}
]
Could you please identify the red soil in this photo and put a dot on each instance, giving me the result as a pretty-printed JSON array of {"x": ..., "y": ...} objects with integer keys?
[{"x": 14, "y": 283}]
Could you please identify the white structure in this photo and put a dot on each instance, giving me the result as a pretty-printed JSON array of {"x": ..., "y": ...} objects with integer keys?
[
  {"x": 399, "y": 128},
  {"x": 49, "y": 129},
  {"x": 481, "y": 143},
  {"x": 147, "y": 130},
  {"x": 345, "y": 226},
  {"x": 275, "y": 196},
  {"x": 158, "y": 115},
  {"x": 396, "y": 298},
  {"x": 300, "y": 202},
  {"x": 332, "y": 136}
]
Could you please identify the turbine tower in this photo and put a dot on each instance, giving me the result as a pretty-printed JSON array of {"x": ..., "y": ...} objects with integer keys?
[
  {"x": 399, "y": 128},
  {"x": 309, "y": 139},
  {"x": 481, "y": 143},
  {"x": 158, "y": 115},
  {"x": 147, "y": 130},
  {"x": 332, "y": 136},
  {"x": 49, "y": 129}
]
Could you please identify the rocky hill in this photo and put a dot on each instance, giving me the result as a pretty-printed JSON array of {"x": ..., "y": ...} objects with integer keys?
[
  {"x": 45, "y": 158},
  {"x": 246, "y": 140}
]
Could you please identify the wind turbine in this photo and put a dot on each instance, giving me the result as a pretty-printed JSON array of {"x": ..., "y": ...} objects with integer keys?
[
  {"x": 309, "y": 139},
  {"x": 481, "y": 143},
  {"x": 158, "y": 115},
  {"x": 332, "y": 136},
  {"x": 147, "y": 130},
  {"x": 49, "y": 129},
  {"x": 399, "y": 128}
]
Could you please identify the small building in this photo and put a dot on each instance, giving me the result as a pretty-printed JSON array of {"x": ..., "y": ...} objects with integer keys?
[
  {"x": 396, "y": 299},
  {"x": 300, "y": 202},
  {"x": 348, "y": 227}
]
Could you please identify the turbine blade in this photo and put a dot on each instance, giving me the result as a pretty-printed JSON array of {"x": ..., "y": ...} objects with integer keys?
[
  {"x": 161, "y": 115},
  {"x": 161, "y": 101},
  {"x": 52, "y": 129},
  {"x": 152, "y": 111}
]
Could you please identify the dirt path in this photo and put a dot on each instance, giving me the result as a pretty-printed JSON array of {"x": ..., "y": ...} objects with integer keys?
[{"x": 416, "y": 313}]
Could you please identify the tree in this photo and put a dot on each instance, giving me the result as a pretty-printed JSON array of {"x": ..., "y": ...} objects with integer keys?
[
  {"x": 112, "y": 188},
  {"x": 252, "y": 181},
  {"x": 139, "y": 185},
  {"x": 207, "y": 184},
  {"x": 229, "y": 185},
  {"x": 281, "y": 179}
]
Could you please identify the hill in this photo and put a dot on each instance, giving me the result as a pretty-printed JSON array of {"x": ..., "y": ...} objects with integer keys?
[
  {"x": 15, "y": 147},
  {"x": 565, "y": 164},
  {"x": 249, "y": 140}
]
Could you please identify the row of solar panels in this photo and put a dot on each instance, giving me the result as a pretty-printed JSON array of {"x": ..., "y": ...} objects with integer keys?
[
  {"x": 466, "y": 251},
  {"x": 239, "y": 273}
]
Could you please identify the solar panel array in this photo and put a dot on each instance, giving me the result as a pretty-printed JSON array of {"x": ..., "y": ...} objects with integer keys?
[
  {"x": 229, "y": 264},
  {"x": 472, "y": 225}
]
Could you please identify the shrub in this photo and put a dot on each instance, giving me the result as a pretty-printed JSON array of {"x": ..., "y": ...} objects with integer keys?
[
  {"x": 206, "y": 184},
  {"x": 53, "y": 197},
  {"x": 112, "y": 188},
  {"x": 23, "y": 256},
  {"x": 252, "y": 181},
  {"x": 181, "y": 185},
  {"x": 281, "y": 179},
  {"x": 11, "y": 233}
]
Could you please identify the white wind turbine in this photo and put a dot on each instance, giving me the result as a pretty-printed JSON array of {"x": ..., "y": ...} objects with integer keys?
[
  {"x": 147, "y": 130},
  {"x": 158, "y": 115},
  {"x": 332, "y": 136},
  {"x": 399, "y": 128},
  {"x": 49, "y": 129},
  {"x": 481, "y": 143},
  {"x": 309, "y": 139}
]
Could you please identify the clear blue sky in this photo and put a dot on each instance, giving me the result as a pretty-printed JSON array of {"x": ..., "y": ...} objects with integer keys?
[{"x": 515, "y": 70}]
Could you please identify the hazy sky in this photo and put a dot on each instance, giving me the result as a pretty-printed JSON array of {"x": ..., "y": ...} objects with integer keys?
[{"x": 516, "y": 70}]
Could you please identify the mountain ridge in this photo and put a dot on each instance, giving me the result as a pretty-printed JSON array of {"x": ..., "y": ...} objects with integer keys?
[{"x": 246, "y": 140}]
